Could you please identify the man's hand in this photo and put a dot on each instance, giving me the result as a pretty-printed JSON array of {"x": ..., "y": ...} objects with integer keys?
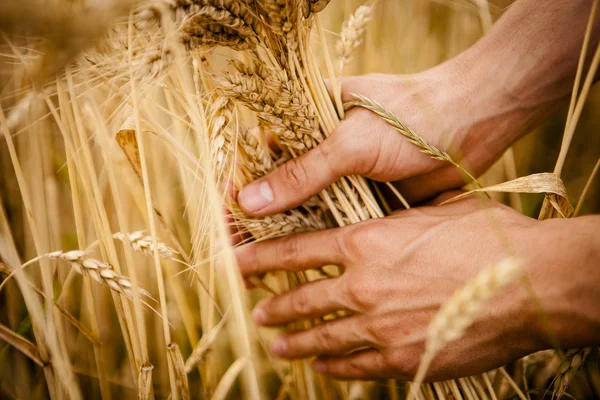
[
  {"x": 366, "y": 145},
  {"x": 474, "y": 106},
  {"x": 398, "y": 271}
]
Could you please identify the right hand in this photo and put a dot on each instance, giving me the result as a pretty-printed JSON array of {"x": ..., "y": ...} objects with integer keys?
[{"x": 434, "y": 104}]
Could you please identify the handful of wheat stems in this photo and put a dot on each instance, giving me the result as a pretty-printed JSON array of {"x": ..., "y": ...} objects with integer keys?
[{"x": 194, "y": 75}]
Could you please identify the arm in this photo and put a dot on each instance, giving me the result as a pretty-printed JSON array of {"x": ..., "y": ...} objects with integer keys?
[
  {"x": 565, "y": 276},
  {"x": 522, "y": 72}
]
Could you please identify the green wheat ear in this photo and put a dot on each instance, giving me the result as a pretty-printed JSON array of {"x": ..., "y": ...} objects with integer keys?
[{"x": 409, "y": 134}]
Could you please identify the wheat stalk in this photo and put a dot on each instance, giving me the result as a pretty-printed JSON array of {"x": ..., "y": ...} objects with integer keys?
[{"x": 461, "y": 310}]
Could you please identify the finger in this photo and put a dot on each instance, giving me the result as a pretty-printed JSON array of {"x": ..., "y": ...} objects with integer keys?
[
  {"x": 296, "y": 181},
  {"x": 360, "y": 365},
  {"x": 311, "y": 300},
  {"x": 337, "y": 337},
  {"x": 292, "y": 253}
]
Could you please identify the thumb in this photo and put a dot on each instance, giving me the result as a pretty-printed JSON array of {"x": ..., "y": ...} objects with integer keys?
[{"x": 294, "y": 182}]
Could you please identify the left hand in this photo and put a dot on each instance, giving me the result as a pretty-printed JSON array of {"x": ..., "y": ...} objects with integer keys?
[{"x": 398, "y": 271}]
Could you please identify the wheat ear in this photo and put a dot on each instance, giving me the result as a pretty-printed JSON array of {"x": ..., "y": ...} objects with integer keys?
[
  {"x": 144, "y": 244},
  {"x": 453, "y": 319},
  {"x": 573, "y": 360},
  {"x": 408, "y": 133},
  {"x": 100, "y": 271},
  {"x": 351, "y": 35}
]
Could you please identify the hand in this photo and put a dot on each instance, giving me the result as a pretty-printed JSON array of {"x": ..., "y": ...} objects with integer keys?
[
  {"x": 398, "y": 271},
  {"x": 437, "y": 104}
]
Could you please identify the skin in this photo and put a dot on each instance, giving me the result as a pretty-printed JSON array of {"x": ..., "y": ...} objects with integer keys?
[{"x": 399, "y": 270}]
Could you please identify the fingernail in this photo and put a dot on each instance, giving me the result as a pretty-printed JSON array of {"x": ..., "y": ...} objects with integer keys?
[
  {"x": 255, "y": 197},
  {"x": 279, "y": 347},
  {"x": 319, "y": 366},
  {"x": 259, "y": 316}
]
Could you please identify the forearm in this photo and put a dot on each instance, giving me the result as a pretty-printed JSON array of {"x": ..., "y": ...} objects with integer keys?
[
  {"x": 564, "y": 269},
  {"x": 522, "y": 71}
]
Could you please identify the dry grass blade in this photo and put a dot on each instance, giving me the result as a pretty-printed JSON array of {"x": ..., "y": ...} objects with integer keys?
[
  {"x": 20, "y": 343},
  {"x": 229, "y": 378},
  {"x": 459, "y": 312},
  {"x": 204, "y": 345},
  {"x": 126, "y": 138},
  {"x": 572, "y": 362},
  {"x": 545, "y": 182},
  {"x": 414, "y": 138}
]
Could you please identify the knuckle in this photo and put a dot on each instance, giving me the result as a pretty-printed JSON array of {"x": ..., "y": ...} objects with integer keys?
[
  {"x": 359, "y": 294},
  {"x": 289, "y": 250},
  {"x": 328, "y": 152},
  {"x": 301, "y": 302},
  {"x": 404, "y": 363},
  {"x": 295, "y": 174},
  {"x": 362, "y": 236},
  {"x": 355, "y": 368},
  {"x": 377, "y": 331},
  {"x": 355, "y": 151},
  {"x": 249, "y": 263},
  {"x": 325, "y": 337}
]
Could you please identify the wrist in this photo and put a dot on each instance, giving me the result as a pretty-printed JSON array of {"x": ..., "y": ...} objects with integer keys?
[{"x": 561, "y": 258}]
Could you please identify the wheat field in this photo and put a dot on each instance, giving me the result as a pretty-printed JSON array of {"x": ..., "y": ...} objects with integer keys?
[{"x": 125, "y": 129}]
